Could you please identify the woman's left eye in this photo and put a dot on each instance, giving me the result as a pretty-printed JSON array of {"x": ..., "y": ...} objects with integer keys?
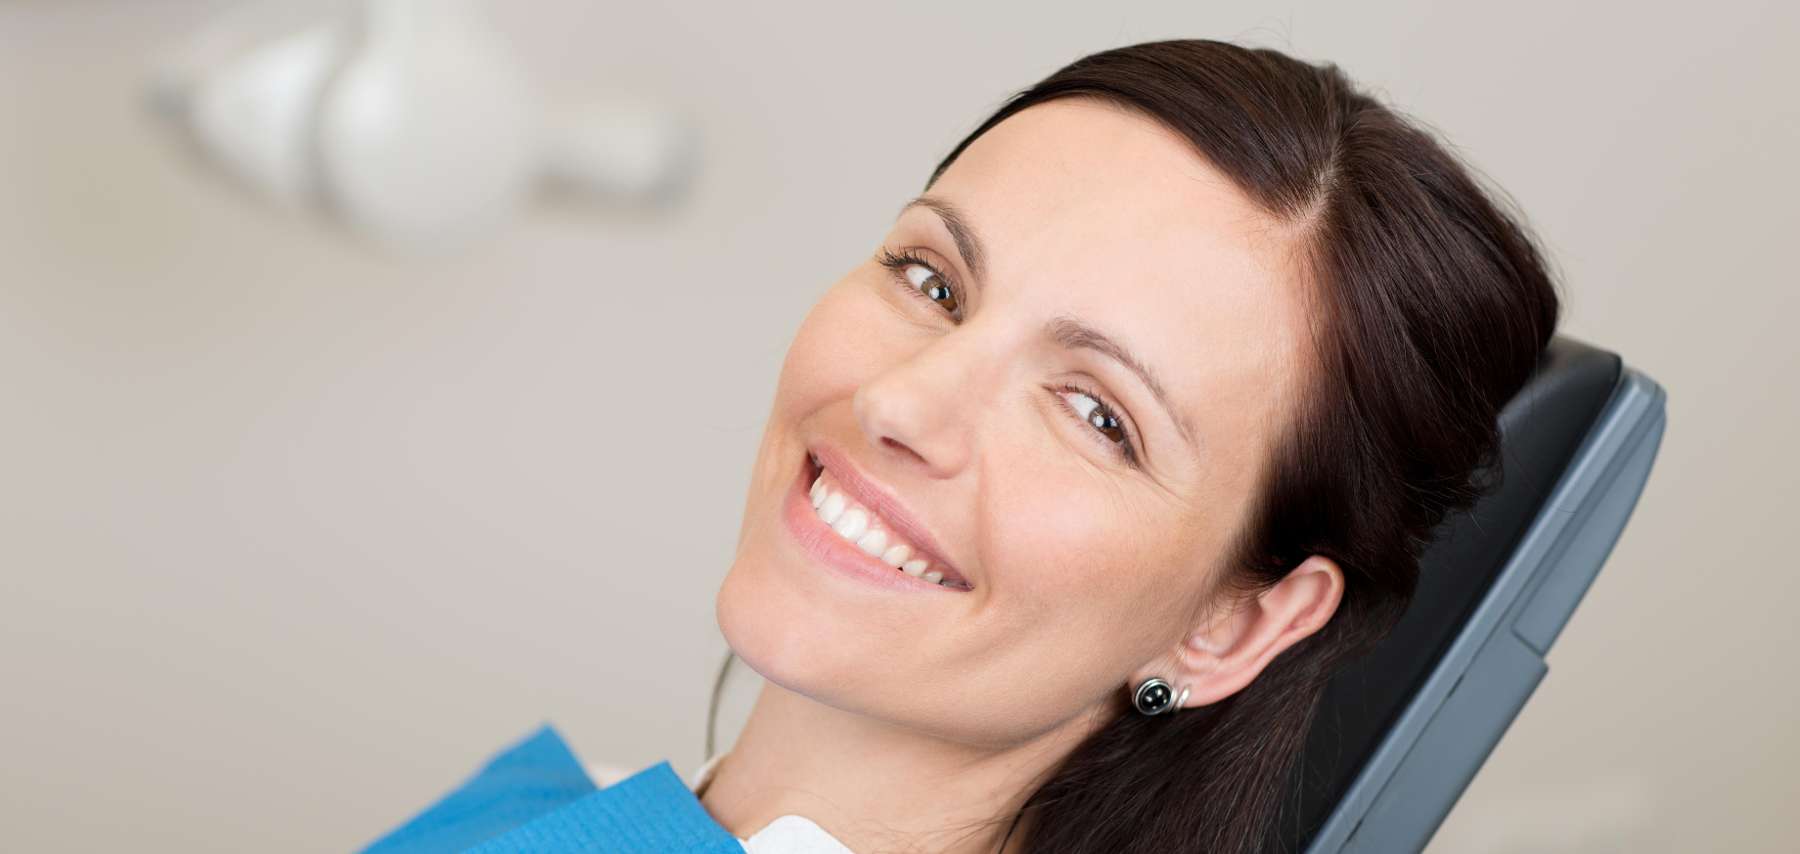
[{"x": 1101, "y": 416}]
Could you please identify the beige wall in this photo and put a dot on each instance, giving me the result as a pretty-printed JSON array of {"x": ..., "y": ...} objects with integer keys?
[{"x": 292, "y": 536}]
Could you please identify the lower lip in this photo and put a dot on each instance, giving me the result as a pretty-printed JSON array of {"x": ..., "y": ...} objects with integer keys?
[{"x": 836, "y": 553}]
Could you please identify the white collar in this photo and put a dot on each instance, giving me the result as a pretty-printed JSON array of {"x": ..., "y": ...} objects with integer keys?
[{"x": 787, "y": 834}]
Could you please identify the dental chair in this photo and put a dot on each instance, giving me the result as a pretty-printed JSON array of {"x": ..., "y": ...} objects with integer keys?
[{"x": 1400, "y": 732}]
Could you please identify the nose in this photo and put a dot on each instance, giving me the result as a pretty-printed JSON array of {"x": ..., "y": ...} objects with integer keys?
[{"x": 926, "y": 405}]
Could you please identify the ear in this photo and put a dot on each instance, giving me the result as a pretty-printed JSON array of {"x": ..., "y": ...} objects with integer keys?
[{"x": 1235, "y": 642}]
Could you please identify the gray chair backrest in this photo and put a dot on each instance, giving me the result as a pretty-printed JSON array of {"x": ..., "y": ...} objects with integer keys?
[{"x": 1400, "y": 732}]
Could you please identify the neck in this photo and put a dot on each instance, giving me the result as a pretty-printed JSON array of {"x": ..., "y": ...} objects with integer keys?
[{"x": 875, "y": 785}]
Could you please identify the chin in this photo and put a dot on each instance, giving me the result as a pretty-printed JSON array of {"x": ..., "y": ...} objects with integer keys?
[
  {"x": 769, "y": 625},
  {"x": 842, "y": 659},
  {"x": 814, "y": 634}
]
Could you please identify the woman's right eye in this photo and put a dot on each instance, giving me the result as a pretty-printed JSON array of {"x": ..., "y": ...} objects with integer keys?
[{"x": 917, "y": 277}]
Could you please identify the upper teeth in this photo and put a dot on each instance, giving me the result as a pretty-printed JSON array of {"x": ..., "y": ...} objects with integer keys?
[{"x": 855, "y": 523}]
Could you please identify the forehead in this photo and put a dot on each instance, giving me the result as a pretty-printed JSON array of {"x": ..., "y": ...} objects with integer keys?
[{"x": 1089, "y": 209}]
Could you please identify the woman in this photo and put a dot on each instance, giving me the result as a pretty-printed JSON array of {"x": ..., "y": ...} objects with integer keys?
[{"x": 1076, "y": 492}]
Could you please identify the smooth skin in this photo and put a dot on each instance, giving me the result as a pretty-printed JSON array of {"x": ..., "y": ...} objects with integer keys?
[{"x": 924, "y": 718}]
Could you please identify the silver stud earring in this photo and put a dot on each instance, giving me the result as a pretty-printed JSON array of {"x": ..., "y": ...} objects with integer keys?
[{"x": 1152, "y": 696}]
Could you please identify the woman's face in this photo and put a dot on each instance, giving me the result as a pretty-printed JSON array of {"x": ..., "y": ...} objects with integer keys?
[{"x": 1086, "y": 522}]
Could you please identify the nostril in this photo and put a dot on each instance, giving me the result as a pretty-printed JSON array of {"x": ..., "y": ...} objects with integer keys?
[{"x": 896, "y": 443}]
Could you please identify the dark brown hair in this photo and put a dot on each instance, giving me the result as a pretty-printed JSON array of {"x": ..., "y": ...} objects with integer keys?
[{"x": 1430, "y": 305}]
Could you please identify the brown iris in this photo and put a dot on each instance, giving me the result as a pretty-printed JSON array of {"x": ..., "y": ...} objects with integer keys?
[{"x": 938, "y": 292}]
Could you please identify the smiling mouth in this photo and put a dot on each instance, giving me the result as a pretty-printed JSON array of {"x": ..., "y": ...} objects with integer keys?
[{"x": 863, "y": 528}]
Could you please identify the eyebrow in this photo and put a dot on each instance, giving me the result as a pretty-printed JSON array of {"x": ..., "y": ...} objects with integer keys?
[
  {"x": 967, "y": 242},
  {"x": 1068, "y": 332}
]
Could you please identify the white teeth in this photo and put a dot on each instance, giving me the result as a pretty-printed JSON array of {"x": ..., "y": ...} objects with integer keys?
[
  {"x": 855, "y": 523},
  {"x": 832, "y": 507},
  {"x": 872, "y": 542},
  {"x": 852, "y": 524}
]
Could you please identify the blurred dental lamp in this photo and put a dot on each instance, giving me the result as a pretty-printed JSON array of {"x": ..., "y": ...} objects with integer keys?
[{"x": 408, "y": 120}]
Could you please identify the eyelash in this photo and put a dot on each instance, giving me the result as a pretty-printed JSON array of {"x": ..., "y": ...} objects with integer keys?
[{"x": 899, "y": 261}]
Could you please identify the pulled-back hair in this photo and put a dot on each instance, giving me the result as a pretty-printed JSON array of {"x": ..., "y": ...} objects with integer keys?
[{"x": 1430, "y": 307}]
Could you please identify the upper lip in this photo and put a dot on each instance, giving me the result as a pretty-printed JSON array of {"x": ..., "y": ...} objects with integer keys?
[{"x": 883, "y": 502}]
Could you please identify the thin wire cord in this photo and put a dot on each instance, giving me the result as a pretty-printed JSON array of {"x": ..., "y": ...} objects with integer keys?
[{"x": 712, "y": 710}]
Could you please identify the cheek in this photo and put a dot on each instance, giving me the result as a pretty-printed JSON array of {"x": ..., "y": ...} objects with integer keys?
[
  {"x": 1056, "y": 539},
  {"x": 828, "y": 355},
  {"x": 1082, "y": 571}
]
